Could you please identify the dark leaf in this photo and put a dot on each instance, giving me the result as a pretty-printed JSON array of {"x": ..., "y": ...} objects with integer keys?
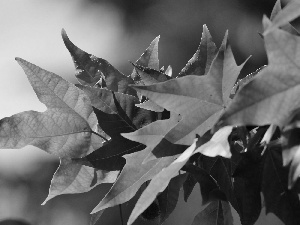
[
  {"x": 89, "y": 70},
  {"x": 216, "y": 213},
  {"x": 209, "y": 188},
  {"x": 279, "y": 200},
  {"x": 167, "y": 200}
]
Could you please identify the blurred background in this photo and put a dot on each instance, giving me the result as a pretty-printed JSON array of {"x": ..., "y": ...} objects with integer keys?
[{"x": 118, "y": 31}]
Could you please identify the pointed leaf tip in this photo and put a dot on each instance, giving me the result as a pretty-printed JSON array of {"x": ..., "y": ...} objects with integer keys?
[
  {"x": 267, "y": 25},
  {"x": 63, "y": 33}
]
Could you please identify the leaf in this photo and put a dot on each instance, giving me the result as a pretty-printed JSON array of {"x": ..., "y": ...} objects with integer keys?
[
  {"x": 290, "y": 153},
  {"x": 272, "y": 95},
  {"x": 217, "y": 212},
  {"x": 64, "y": 130},
  {"x": 95, "y": 217},
  {"x": 199, "y": 99},
  {"x": 160, "y": 182},
  {"x": 277, "y": 9},
  {"x": 113, "y": 123},
  {"x": 201, "y": 61},
  {"x": 135, "y": 172},
  {"x": 90, "y": 69},
  {"x": 247, "y": 184},
  {"x": 117, "y": 146},
  {"x": 209, "y": 188},
  {"x": 149, "y": 105},
  {"x": 150, "y": 76},
  {"x": 281, "y": 18},
  {"x": 148, "y": 59},
  {"x": 151, "y": 134},
  {"x": 242, "y": 82},
  {"x": 168, "y": 71},
  {"x": 279, "y": 200},
  {"x": 188, "y": 186},
  {"x": 221, "y": 170},
  {"x": 167, "y": 199},
  {"x": 218, "y": 144}
]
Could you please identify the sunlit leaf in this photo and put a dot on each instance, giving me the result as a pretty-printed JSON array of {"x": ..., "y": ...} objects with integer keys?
[
  {"x": 282, "y": 17},
  {"x": 199, "y": 99},
  {"x": 272, "y": 95},
  {"x": 64, "y": 130},
  {"x": 201, "y": 61},
  {"x": 218, "y": 144}
]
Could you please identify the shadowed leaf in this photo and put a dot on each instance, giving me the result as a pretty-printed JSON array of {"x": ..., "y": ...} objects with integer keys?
[
  {"x": 217, "y": 212},
  {"x": 279, "y": 200},
  {"x": 160, "y": 182},
  {"x": 135, "y": 172},
  {"x": 89, "y": 69}
]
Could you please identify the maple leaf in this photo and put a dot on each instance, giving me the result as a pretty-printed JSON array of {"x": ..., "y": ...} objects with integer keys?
[
  {"x": 218, "y": 144},
  {"x": 247, "y": 176},
  {"x": 217, "y": 212},
  {"x": 150, "y": 76},
  {"x": 63, "y": 130},
  {"x": 167, "y": 200},
  {"x": 135, "y": 172},
  {"x": 278, "y": 199},
  {"x": 89, "y": 69},
  {"x": 272, "y": 96},
  {"x": 201, "y": 61},
  {"x": 242, "y": 82},
  {"x": 290, "y": 153},
  {"x": 239, "y": 177},
  {"x": 282, "y": 17},
  {"x": 148, "y": 59},
  {"x": 199, "y": 99},
  {"x": 208, "y": 186},
  {"x": 160, "y": 182},
  {"x": 116, "y": 114}
]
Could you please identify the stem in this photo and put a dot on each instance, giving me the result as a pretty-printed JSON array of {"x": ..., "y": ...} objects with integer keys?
[
  {"x": 121, "y": 214},
  {"x": 93, "y": 132}
]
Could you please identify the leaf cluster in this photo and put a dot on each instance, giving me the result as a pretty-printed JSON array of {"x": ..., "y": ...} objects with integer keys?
[{"x": 160, "y": 132}]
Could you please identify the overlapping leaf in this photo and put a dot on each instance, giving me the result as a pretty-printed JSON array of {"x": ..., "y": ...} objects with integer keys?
[
  {"x": 160, "y": 182},
  {"x": 281, "y": 18},
  {"x": 64, "y": 130},
  {"x": 217, "y": 212},
  {"x": 291, "y": 150},
  {"x": 201, "y": 61},
  {"x": 272, "y": 96},
  {"x": 90, "y": 69},
  {"x": 135, "y": 172},
  {"x": 278, "y": 199},
  {"x": 148, "y": 59},
  {"x": 199, "y": 99},
  {"x": 209, "y": 188},
  {"x": 167, "y": 200}
]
